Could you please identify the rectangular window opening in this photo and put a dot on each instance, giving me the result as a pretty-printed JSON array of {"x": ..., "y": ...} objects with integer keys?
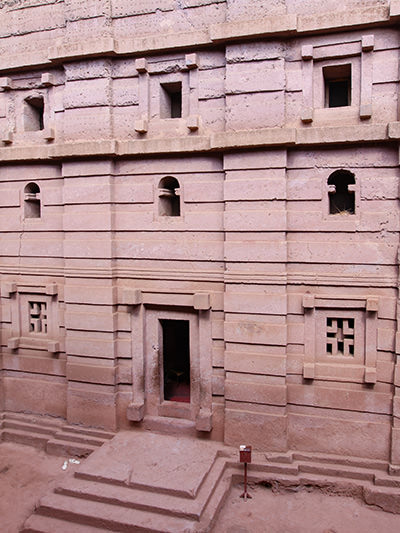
[
  {"x": 337, "y": 79},
  {"x": 34, "y": 113},
  {"x": 171, "y": 101},
  {"x": 176, "y": 360}
]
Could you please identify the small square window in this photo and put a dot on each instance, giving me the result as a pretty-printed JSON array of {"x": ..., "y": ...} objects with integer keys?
[
  {"x": 337, "y": 80},
  {"x": 171, "y": 100}
]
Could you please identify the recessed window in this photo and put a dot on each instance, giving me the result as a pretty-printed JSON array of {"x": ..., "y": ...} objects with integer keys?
[
  {"x": 37, "y": 317},
  {"x": 169, "y": 197},
  {"x": 34, "y": 113},
  {"x": 337, "y": 79},
  {"x": 340, "y": 336},
  {"x": 171, "y": 100},
  {"x": 341, "y": 192},
  {"x": 32, "y": 207},
  {"x": 176, "y": 360}
]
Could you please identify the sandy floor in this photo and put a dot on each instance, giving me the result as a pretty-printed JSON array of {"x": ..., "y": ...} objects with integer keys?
[
  {"x": 300, "y": 512},
  {"x": 26, "y": 474}
]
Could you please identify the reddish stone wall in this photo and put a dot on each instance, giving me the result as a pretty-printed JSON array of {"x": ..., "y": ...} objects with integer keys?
[{"x": 257, "y": 261}]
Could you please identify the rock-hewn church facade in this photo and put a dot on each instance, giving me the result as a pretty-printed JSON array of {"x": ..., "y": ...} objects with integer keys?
[{"x": 199, "y": 219}]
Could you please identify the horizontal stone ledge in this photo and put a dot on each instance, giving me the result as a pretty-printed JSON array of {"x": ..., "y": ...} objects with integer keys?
[
  {"x": 171, "y": 145},
  {"x": 82, "y": 149},
  {"x": 343, "y": 19},
  {"x": 342, "y": 134},
  {"x": 250, "y": 138},
  {"x": 29, "y": 59},
  {"x": 164, "y": 42},
  {"x": 243, "y": 139},
  {"x": 86, "y": 48},
  {"x": 284, "y": 25}
]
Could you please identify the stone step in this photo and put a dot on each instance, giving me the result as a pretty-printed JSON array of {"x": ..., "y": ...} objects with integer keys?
[
  {"x": 291, "y": 469},
  {"x": 93, "y": 432},
  {"x": 336, "y": 471},
  {"x": 81, "y": 437},
  {"x": 29, "y": 438},
  {"x": 387, "y": 480},
  {"x": 66, "y": 447},
  {"x": 216, "y": 500},
  {"x": 43, "y": 421},
  {"x": 109, "y": 516},
  {"x": 29, "y": 427},
  {"x": 46, "y": 524},
  {"x": 370, "y": 464},
  {"x": 387, "y": 498},
  {"x": 169, "y": 426},
  {"x": 129, "y": 496},
  {"x": 152, "y": 462}
]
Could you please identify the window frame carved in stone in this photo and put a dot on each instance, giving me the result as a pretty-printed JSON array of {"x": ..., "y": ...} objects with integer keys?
[{"x": 360, "y": 367}]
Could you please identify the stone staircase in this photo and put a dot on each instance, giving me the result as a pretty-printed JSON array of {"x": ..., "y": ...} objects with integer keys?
[
  {"x": 144, "y": 481},
  {"x": 139, "y": 481},
  {"x": 371, "y": 481},
  {"x": 51, "y": 434}
]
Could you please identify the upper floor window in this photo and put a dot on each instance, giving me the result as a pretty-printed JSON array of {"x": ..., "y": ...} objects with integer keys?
[
  {"x": 341, "y": 188},
  {"x": 34, "y": 113},
  {"x": 32, "y": 207},
  {"x": 337, "y": 80},
  {"x": 171, "y": 100},
  {"x": 169, "y": 197}
]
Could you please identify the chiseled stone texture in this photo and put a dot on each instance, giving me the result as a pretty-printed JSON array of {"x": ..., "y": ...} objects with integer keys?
[{"x": 170, "y": 162}]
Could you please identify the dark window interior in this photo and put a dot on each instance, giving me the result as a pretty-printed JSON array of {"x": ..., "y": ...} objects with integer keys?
[
  {"x": 34, "y": 116},
  {"x": 176, "y": 360},
  {"x": 337, "y": 80},
  {"x": 173, "y": 100},
  {"x": 341, "y": 200}
]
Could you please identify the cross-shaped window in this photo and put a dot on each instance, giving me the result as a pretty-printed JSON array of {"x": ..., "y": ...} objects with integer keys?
[
  {"x": 37, "y": 317},
  {"x": 340, "y": 336}
]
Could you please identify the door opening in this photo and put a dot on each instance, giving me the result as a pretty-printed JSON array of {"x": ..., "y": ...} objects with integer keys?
[{"x": 176, "y": 360}]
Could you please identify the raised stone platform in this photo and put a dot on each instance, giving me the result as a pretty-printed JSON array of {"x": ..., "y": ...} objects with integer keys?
[
  {"x": 140, "y": 481},
  {"x": 144, "y": 481}
]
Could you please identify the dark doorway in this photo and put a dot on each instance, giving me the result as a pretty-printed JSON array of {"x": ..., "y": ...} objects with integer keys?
[{"x": 176, "y": 360}]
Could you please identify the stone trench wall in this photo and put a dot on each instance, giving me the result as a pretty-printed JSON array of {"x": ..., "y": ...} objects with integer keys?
[{"x": 256, "y": 261}]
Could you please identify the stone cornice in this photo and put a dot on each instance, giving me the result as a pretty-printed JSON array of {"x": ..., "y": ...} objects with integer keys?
[
  {"x": 217, "y": 142},
  {"x": 209, "y": 276},
  {"x": 268, "y": 27}
]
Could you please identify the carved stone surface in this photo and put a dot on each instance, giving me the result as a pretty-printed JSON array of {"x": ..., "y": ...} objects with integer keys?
[{"x": 180, "y": 247}]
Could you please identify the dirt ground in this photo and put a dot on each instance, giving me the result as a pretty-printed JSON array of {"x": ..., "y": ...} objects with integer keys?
[
  {"x": 300, "y": 512},
  {"x": 26, "y": 474}
]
